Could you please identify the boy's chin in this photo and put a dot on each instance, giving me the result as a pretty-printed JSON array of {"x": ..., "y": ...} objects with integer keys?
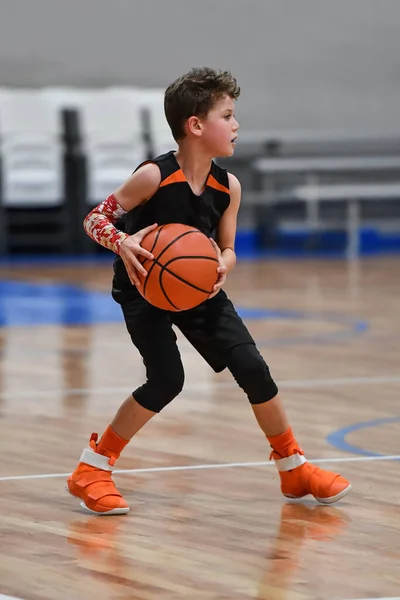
[{"x": 227, "y": 152}]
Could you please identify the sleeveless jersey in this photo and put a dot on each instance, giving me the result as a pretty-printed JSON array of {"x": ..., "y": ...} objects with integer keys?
[{"x": 175, "y": 202}]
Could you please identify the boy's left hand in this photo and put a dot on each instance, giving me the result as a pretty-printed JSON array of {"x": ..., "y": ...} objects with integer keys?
[{"x": 221, "y": 270}]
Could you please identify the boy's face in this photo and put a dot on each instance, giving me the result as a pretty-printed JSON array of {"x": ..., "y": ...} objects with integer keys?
[{"x": 219, "y": 128}]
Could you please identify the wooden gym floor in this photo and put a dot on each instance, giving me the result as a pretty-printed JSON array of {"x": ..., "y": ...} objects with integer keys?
[{"x": 208, "y": 521}]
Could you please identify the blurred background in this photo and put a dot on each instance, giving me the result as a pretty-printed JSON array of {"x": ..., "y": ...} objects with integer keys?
[
  {"x": 81, "y": 104},
  {"x": 318, "y": 156}
]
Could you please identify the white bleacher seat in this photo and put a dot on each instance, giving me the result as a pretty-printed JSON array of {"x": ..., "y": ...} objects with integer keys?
[
  {"x": 112, "y": 140},
  {"x": 162, "y": 141},
  {"x": 352, "y": 194},
  {"x": 152, "y": 101},
  {"x": 26, "y": 111},
  {"x": 3, "y": 94},
  {"x": 31, "y": 150},
  {"x": 68, "y": 97}
]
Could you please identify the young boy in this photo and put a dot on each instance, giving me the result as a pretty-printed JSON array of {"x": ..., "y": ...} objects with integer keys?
[{"x": 187, "y": 187}]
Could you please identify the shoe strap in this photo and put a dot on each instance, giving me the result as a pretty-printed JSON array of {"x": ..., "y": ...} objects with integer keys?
[
  {"x": 290, "y": 462},
  {"x": 94, "y": 459}
]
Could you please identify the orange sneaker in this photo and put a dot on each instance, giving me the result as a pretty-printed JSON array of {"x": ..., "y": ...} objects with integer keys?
[
  {"x": 300, "y": 478},
  {"x": 93, "y": 484}
]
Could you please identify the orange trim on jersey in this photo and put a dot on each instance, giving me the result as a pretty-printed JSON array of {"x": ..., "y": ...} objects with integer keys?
[
  {"x": 176, "y": 177},
  {"x": 212, "y": 182}
]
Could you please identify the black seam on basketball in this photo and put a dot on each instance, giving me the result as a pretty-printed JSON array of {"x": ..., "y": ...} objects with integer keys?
[
  {"x": 192, "y": 285},
  {"x": 175, "y": 240},
  {"x": 162, "y": 252},
  {"x": 142, "y": 259},
  {"x": 156, "y": 238},
  {"x": 152, "y": 248},
  {"x": 164, "y": 292}
]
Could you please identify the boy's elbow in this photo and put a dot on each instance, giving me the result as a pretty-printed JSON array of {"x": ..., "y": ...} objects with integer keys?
[
  {"x": 88, "y": 223},
  {"x": 85, "y": 223}
]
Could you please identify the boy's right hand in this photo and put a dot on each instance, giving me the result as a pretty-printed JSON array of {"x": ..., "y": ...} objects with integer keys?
[{"x": 130, "y": 249}]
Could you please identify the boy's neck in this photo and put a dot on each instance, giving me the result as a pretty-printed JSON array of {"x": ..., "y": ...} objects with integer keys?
[{"x": 195, "y": 167}]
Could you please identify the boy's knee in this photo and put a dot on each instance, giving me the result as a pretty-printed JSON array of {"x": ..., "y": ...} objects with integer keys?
[
  {"x": 252, "y": 373},
  {"x": 160, "y": 388},
  {"x": 172, "y": 384}
]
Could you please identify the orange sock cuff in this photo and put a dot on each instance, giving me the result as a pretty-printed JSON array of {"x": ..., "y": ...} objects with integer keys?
[
  {"x": 111, "y": 444},
  {"x": 282, "y": 442}
]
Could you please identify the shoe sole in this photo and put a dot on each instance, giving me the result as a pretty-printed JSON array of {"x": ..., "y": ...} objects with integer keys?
[
  {"x": 334, "y": 499},
  {"x": 114, "y": 511},
  {"x": 330, "y": 500}
]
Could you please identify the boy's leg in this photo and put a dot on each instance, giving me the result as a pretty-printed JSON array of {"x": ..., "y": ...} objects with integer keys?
[
  {"x": 130, "y": 418},
  {"x": 298, "y": 477},
  {"x": 152, "y": 334},
  {"x": 218, "y": 333}
]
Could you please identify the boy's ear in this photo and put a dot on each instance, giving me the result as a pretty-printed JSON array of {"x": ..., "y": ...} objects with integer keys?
[{"x": 194, "y": 125}]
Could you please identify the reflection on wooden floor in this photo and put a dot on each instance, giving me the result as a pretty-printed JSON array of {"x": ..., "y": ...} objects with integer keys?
[{"x": 330, "y": 332}]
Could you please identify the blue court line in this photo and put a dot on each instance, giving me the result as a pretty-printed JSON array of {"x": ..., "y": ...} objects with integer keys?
[
  {"x": 337, "y": 438},
  {"x": 348, "y": 327},
  {"x": 25, "y": 303},
  {"x": 63, "y": 260}
]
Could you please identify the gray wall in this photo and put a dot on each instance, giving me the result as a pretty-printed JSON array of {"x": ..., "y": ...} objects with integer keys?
[{"x": 302, "y": 64}]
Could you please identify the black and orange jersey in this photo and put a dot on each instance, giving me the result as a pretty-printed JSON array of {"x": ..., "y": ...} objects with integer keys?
[{"x": 175, "y": 202}]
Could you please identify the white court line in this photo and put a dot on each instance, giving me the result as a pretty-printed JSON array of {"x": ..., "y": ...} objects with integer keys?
[
  {"x": 2, "y": 597},
  {"x": 209, "y": 466},
  {"x": 294, "y": 383}
]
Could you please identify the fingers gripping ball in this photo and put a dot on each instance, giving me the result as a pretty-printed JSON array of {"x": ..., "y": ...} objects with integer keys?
[{"x": 184, "y": 269}]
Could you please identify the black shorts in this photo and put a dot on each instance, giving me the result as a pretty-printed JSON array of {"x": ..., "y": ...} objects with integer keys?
[{"x": 213, "y": 328}]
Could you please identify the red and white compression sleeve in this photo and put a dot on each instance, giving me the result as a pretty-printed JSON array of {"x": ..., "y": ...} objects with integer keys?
[{"x": 99, "y": 224}]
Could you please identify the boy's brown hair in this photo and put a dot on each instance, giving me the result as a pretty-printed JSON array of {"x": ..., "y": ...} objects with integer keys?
[{"x": 195, "y": 93}]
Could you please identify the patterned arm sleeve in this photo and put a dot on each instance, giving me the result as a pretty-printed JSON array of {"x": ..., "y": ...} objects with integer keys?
[{"x": 99, "y": 224}]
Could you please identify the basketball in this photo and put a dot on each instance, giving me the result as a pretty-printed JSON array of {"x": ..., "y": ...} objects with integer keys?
[{"x": 184, "y": 270}]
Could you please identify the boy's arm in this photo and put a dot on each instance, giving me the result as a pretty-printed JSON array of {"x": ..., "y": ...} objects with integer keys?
[
  {"x": 226, "y": 232},
  {"x": 99, "y": 223}
]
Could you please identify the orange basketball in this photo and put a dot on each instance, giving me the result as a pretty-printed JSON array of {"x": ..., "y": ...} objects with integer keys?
[{"x": 184, "y": 269}]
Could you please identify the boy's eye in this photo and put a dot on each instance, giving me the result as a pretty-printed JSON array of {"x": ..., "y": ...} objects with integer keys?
[{"x": 228, "y": 116}]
